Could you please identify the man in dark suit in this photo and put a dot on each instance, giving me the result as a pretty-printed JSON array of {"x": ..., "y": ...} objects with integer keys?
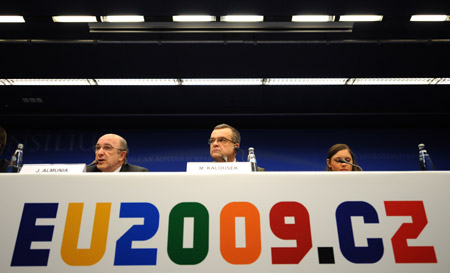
[
  {"x": 3, "y": 162},
  {"x": 111, "y": 153},
  {"x": 224, "y": 143}
]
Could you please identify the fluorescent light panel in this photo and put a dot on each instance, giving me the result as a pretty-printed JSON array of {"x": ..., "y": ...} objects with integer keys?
[
  {"x": 123, "y": 18},
  {"x": 74, "y": 19},
  {"x": 11, "y": 19},
  {"x": 312, "y": 18},
  {"x": 229, "y": 81},
  {"x": 444, "y": 81},
  {"x": 360, "y": 18},
  {"x": 193, "y": 18},
  {"x": 429, "y": 18},
  {"x": 392, "y": 81},
  {"x": 221, "y": 81},
  {"x": 45, "y": 82},
  {"x": 137, "y": 82},
  {"x": 242, "y": 18},
  {"x": 305, "y": 81}
]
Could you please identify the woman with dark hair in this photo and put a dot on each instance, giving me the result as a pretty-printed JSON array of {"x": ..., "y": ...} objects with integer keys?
[{"x": 337, "y": 155}]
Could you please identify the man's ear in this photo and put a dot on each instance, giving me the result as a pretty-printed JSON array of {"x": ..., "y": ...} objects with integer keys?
[{"x": 123, "y": 154}]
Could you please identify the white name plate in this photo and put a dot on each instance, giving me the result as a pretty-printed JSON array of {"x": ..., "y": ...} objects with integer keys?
[
  {"x": 53, "y": 168},
  {"x": 218, "y": 167}
]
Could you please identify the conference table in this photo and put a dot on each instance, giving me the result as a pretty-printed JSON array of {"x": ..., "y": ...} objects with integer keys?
[{"x": 249, "y": 222}]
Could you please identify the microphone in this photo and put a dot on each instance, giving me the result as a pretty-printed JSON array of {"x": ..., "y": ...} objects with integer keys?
[
  {"x": 94, "y": 163},
  {"x": 225, "y": 158},
  {"x": 341, "y": 160}
]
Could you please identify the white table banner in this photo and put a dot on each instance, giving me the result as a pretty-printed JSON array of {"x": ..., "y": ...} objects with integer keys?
[{"x": 257, "y": 222}]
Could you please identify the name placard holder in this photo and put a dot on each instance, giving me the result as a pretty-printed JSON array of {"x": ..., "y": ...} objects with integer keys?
[
  {"x": 216, "y": 167},
  {"x": 53, "y": 168}
]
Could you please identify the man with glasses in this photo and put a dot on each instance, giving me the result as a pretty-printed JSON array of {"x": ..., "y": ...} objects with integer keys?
[
  {"x": 224, "y": 143},
  {"x": 111, "y": 153}
]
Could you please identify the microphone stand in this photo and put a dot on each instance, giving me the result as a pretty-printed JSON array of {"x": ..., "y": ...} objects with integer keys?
[
  {"x": 346, "y": 162},
  {"x": 94, "y": 163}
]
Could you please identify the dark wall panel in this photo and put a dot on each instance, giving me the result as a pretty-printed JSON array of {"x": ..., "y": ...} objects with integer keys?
[{"x": 276, "y": 149}]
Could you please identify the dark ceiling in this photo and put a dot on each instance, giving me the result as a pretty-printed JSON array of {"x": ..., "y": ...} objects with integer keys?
[{"x": 394, "y": 47}]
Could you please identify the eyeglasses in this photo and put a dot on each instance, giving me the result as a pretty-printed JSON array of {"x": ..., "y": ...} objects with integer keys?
[
  {"x": 220, "y": 140},
  {"x": 106, "y": 148}
]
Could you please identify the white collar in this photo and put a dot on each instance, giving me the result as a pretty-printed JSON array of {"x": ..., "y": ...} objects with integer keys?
[{"x": 118, "y": 169}]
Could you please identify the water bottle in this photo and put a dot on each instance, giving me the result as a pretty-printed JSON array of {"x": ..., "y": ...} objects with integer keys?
[
  {"x": 252, "y": 159},
  {"x": 426, "y": 163},
  {"x": 16, "y": 162}
]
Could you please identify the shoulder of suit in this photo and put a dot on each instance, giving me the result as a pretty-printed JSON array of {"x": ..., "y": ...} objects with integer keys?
[
  {"x": 4, "y": 165},
  {"x": 135, "y": 168},
  {"x": 92, "y": 168}
]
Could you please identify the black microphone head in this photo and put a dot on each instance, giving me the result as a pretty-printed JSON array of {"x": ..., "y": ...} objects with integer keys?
[
  {"x": 343, "y": 160},
  {"x": 94, "y": 163}
]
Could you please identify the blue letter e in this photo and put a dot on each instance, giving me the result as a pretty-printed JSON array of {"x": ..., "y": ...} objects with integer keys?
[{"x": 29, "y": 232}]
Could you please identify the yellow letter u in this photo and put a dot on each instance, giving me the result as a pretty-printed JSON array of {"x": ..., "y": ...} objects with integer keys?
[{"x": 70, "y": 253}]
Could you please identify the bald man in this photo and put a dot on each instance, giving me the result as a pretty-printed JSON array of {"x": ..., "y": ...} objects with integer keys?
[{"x": 111, "y": 153}]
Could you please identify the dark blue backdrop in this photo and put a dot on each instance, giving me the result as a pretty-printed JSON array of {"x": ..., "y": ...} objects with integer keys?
[{"x": 276, "y": 149}]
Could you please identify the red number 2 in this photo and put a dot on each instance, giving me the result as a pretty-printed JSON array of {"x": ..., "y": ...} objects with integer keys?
[{"x": 402, "y": 252}]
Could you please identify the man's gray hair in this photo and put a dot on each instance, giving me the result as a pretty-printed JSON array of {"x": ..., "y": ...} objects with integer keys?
[
  {"x": 124, "y": 147},
  {"x": 234, "y": 133}
]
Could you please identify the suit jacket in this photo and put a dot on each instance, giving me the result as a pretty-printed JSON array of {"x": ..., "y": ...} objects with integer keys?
[
  {"x": 125, "y": 168},
  {"x": 4, "y": 165}
]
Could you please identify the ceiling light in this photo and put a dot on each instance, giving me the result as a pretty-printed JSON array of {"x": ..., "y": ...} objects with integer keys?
[
  {"x": 32, "y": 100},
  {"x": 46, "y": 82},
  {"x": 123, "y": 19},
  {"x": 312, "y": 18},
  {"x": 74, "y": 19},
  {"x": 393, "y": 81},
  {"x": 193, "y": 18},
  {"x": 228, "y": 81},
  {"x": 242, "y": 18},
  {"x": 429, "y": 18},
  {"x": 360, "y": 18},
  {"x": 443, "y": 81},
  {"x": 305, "y": 81},
  {"x": 11, "y": 19},
  {"x": 138, "y": 82},
  {"x": 221, "y": 81}
]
